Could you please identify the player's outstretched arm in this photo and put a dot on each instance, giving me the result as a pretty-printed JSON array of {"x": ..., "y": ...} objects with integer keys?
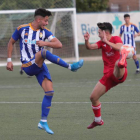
[
  {"x": 88, "y": 45},
  {"x": 9, "y": 55},
  {"x": 54, "y": 43}
]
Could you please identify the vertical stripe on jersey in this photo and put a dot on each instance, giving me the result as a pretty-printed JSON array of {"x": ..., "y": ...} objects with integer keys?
[
  {"x": 41, "y": 37},
  {"x": 37, "y": 38},
  {"x": 30, "y": 43},
  {"x": 26, "y": 44},
  {"x": 125, "y": 38},
  {"x": 127, "y": 35},
  {"x": 33, "y": 45},
  {"x": 23, "y": 51},
  {"x": 132, "y": 35}
]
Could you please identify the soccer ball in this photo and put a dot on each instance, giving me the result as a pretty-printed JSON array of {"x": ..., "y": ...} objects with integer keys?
[{"x": 129, "y": 49}]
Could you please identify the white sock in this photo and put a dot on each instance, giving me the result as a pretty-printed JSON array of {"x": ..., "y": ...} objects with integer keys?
[
  {"x": 69, "y": 67},
  {"x": 43, "y": 120},
  {"x": 97, "y": 119}
]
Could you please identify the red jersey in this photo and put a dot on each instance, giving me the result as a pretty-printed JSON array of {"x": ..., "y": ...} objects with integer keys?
[{"x": 109, "y": 55}]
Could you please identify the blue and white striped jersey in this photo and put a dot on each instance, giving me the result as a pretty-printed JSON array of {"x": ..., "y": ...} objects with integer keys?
[
  {"x": 28, "y": 37},
  {"x": 129, "y": 32}
]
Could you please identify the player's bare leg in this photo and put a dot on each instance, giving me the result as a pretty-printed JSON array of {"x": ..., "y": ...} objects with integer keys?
[{"x": 98, "y": 91}]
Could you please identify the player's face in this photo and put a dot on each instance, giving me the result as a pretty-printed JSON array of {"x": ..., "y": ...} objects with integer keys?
[
  {"x": 44, "y": 22},
  {"x": 127, "y": 20},
  {"x": 100, "y": 34}
]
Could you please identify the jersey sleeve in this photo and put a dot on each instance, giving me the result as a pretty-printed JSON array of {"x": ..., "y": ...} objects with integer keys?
[
  {"x": 121, "y": 29},
  {"x": 49, "y": 35},
  {"x": 99, "y": 44},
  {"x": 16, "y": 35},
  {"x": 136, "y": 29}
]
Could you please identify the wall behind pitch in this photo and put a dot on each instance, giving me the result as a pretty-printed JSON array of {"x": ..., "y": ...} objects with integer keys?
[{"x": 88, "y": 22}]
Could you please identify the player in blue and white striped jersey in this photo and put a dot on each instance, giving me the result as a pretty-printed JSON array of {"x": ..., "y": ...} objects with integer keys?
[
  {"x": 128, "y": 30},
  {"x": 32, "y": 38}
]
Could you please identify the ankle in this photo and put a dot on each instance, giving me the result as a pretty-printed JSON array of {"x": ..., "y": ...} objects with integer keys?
[
  {"x": 97, "y": 119},
  {"x": 42, "y": 120}
]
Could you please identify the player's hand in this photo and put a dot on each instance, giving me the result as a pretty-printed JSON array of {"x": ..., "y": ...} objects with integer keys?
[
  {"x": 9, "y": 66},
  {"x": 104, "y": 37},
  {"x": 41, "y": 43},
  {"x": 86, "y": 36},
  {"x": 135, "y": 35}
]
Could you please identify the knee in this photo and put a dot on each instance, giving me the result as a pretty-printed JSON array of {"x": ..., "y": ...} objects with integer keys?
[
  {"x": 43, "y": 53},
  {"x": 93, "y": 98},
  {"x": 49, "y": 93}
]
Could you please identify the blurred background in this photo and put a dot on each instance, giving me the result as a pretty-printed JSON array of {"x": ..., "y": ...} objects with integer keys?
[
  {"x": 71, "y": 113},
  {"x": 70, "y": 20}
]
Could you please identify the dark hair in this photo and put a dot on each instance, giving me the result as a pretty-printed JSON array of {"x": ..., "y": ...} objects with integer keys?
[
  {"x": 42, "y": 12},
  {"x": 105, "y": 26},
  {"x": 126, "y": 15}
]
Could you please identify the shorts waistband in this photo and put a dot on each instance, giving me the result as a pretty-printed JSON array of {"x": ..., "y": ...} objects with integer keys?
[{"x": 28, "y": 63}]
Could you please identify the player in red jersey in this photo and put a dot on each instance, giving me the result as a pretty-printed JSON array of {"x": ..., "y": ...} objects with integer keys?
[{"x": 115, "y": 71}]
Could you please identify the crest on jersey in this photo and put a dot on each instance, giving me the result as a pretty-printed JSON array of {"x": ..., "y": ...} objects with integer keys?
[
  {"x": 26, "y": 34},
  {"x": 40, "y": 35}
]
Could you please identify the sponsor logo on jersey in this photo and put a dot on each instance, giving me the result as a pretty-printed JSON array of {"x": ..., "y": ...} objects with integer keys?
[
  {"x": 104, "y": 45},
  {"x": 128, "y": 32},
  {"x": 109, "y": 53},
  {"x": 26, "y": 34},
  {"x": 40, "y": 35},
  {"x": 28, "y": 41}
]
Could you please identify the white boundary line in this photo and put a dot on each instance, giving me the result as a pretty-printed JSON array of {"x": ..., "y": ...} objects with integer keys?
[{"x": 69, "y": 102}]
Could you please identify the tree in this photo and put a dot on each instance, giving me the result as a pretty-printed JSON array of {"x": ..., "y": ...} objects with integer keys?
[
  {"x": 91, "y": 5},
  {"x": 34, "y": 4}
]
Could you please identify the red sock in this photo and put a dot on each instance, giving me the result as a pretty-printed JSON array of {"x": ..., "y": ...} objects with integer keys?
[{"x": 97, "y": 110}]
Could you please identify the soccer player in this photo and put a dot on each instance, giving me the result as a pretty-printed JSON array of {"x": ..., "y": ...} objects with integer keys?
[
  {"x": 115, "y": 71},
  {"x": 128, "y": 30},
  {"x": 32, "y": 39}
]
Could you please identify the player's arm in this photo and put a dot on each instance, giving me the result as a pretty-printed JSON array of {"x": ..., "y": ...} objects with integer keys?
[
  {"x": 115, "y": 46},
  {"x": 138, "y": 34},
  {"x": 136, "y": 30},
  {"x": 120, "y": 35},
  {"x": 53, "y": 43},
  {"x": 121, "y": 31},
  {"x": 88, "y": 45},
  {"x": 9, "y": 54}
]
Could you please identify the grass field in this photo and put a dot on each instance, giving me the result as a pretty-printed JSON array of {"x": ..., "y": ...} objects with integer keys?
[{"x": 20, "y": 105}]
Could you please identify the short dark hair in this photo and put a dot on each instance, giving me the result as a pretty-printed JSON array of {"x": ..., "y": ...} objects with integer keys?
[
  {"x": 126, "y": 15},
  {"x": 42, "y": 12},
  {"x": 105, "y": 26}
]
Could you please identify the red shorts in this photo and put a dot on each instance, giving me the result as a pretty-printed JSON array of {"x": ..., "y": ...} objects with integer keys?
[{"x": 109, "y": 80}]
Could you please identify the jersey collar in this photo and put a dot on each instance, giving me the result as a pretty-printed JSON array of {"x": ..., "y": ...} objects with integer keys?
[{"x": 32, "y": 27}]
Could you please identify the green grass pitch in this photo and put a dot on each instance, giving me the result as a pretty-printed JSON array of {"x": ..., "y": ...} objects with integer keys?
[{"x": 71, "y": 113}]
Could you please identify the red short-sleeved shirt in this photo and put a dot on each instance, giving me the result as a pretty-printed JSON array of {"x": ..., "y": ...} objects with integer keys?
[{"x": 109, "y": 55}]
